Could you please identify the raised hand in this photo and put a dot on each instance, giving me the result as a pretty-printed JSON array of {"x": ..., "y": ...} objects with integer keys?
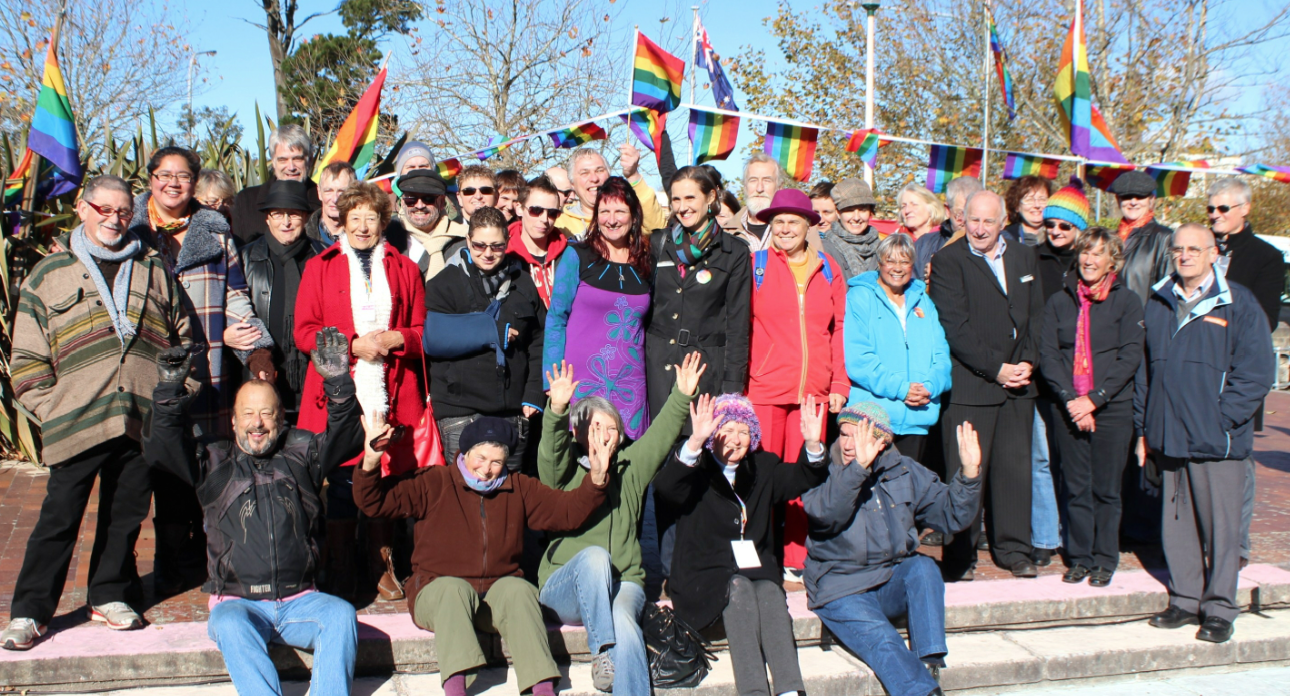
[
  {"x": 703, "y": 421},
  {"x": 374, "y": 428},
  {"x": 689, "y": 372},
  {"x": 599, "y": 452},
  {"x": 331, "y": 356},
  {"x": 812, "y": 422},
  {"x": 870, "y": 442},
  {"x": 630, "y": 158},
  {"x": 173, "y": 364},
  {"x": 560, "y": 377},
  {"x": 969, "y": 449}
]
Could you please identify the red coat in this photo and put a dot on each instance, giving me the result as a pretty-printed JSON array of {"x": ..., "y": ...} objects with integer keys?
[
  {"x": 323, "y": 301},
  {"x": 780, "y": 371}
]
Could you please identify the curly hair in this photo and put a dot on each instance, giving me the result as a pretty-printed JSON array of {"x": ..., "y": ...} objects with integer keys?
[
  {"x": 616, "y": 189},
  {"x": 365, "y": 193},
  {"x": 1020, "y": 189}
]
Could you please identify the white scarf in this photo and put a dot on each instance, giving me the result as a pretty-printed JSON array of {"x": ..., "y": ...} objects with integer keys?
[{"x": 371, "y": 311}]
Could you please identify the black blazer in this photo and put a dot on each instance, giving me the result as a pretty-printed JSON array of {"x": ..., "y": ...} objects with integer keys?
[
  {"x": 984, "y": 327},
  {"x": 1116, "y": 335},
  {"x": 1260, "y": 267}
]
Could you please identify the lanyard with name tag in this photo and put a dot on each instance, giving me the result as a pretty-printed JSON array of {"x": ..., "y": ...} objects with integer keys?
[{"x": 745, "y": 551}]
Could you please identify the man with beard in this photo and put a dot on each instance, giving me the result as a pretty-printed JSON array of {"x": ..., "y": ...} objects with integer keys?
[
  {"x": 762, "y": 178},
  {"x": 293, "y": 155},
  {"x": 588, "y": 170},
  {"x": 262, "y": 499},
  {"x": 431, "y": 237}
]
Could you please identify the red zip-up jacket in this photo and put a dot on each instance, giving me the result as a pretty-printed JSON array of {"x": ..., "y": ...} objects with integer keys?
[
  {"x": 797, "y": 347},
  {"x": 543, "y": 273}
]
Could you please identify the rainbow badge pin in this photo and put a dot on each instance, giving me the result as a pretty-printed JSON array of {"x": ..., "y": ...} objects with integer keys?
[{"x": 704, "y": 277}]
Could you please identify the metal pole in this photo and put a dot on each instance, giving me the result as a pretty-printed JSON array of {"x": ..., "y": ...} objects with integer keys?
[
  {"x": 694, "y": 40},
  {"x": 870, "y": 8},
  {"x": 985, "y": 120}
]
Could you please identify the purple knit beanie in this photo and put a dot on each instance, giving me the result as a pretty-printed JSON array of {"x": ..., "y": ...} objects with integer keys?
[{"x": 737, "y": 408}]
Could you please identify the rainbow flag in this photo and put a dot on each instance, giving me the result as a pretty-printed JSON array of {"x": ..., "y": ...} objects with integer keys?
[
  {"x": 1086, "y": 130},
  {"x": 656, "y": 77},
  {"x": 1000, "y": 65},
  {"x": 1102, "y": 176},
  {"x": 578, "y": 135},
  {"x": 793, "y": 147},
  {"x": 1018, "y": 165},
  {"x": 947, "y": 162},
  {"x": 1170, "y": 182},
  {"x": 1281, "y": 174},
  {"x": 449, "y": 169},
  {"x": 492, "y": 150},
  {"x": 355, "y": 142},
  {"x": 1184, "y": 164},
  {"x": 866, "y": 143},
  {"x": 648, "y": 126},
  {"x": 17, "y": 181},
  {"x": 713, "y": 135},
  {"x": 53, "y": 129}
]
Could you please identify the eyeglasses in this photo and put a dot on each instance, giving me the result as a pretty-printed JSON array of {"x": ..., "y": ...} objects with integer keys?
[
  {"x": 280, "y": 215},
  {"x": 497, "y": 247},
  {"x": 1221, "y": 208},
  {"x": 538, "y": 211},
  {"x": 1063, "y": 226},
  {"x": 170, "y": 178},
  {"x": 108, "y": 211},
  {"x": 1179, "y": 252},
  {"x": 471, "y": 190},
  {"x": 1034, "y": 200},
  {"x": 411, "y": 199}
]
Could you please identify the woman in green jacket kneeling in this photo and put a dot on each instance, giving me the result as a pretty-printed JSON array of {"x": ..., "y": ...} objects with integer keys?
[{"x": 594, "y": 576}]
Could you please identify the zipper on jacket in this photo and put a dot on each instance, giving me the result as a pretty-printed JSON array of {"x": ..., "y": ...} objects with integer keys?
[
  {"x": 273, "y": 551},
  {"x": 806, "y": 352}
]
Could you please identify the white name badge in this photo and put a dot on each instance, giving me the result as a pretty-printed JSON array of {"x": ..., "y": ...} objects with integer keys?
[
  {"x": 368, "y": 312},
  {"x": 746, "y": 554}
]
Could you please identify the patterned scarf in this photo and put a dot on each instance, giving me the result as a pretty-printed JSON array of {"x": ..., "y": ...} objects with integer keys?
[
  {"x": 477, "y": 484},
  {"x": 85, "y": 252},
  {"x": 696, "y": 244},
  {"x": 1083, "y": 345},
  {"x": 1127, "y": 228},
  {"x": 154, "y": 219}
]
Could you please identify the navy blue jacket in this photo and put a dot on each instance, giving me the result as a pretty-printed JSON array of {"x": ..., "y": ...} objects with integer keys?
[
  {"x": 864, "y": 521},
  {"x": 1201, "y": 380}
]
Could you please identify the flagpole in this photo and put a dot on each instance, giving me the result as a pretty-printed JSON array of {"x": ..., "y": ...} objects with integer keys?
[
  {"x": 870, "y": 8},
  {"x": 985, "y": 120},
  {"x": 33, "y": 179},
  {"x": 694, "y": 66}
]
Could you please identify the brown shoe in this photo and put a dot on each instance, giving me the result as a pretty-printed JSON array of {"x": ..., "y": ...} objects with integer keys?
[
  {"x": 380, "y": 553},
  {"x": 388, "y": 587}
]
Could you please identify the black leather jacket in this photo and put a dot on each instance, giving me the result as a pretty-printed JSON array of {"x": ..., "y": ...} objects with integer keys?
[
  {"x": 1146, "y": 258},
  {"x": 258, "y": 268}
]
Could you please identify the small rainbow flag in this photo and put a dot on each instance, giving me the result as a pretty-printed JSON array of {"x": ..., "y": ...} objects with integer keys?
[
  {"x": 1018, "y": 165},
  {"x": 1184, "y": 164},
  {"x": 492, "y": 149},
  {"x": 17, "y": 181},
  {"x": 1102, "y": 176},
  {"x": 1281, "y": 174},
  {"x": 947, "y": 162},
  {"x": 449, "y": 169},
  {"x": 866, "y": 143},
  {"x": 656, "y": 77},
  {"x": 648, "y": 126},
  {"x": 355, "y": 142},
  {"x": 53, "y": 129},
  {"x": 1170, "y": 182},
  {"x": 1001, "y": 67},
  {"x": 713, "y": 135},
  {"x": 577, "y": 135},
  {"x": 793, "y": 147}
]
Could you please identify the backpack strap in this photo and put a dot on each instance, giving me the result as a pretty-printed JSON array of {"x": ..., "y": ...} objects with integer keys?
[
  {"x": 828, "y": 272},
  {"x": 759, "y": 267}
]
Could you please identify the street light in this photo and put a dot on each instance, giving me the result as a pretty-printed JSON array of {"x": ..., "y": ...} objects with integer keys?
[
  {"x": 192, "y": 63},
  {"x": 870, "y": 9}
]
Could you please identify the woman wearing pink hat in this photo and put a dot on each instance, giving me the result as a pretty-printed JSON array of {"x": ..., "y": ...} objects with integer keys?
[{"x": 798, "y": 305}]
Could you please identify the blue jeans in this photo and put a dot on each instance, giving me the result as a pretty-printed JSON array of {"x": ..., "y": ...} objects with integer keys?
[
  {"x": 584, "y": 592},
  {"x": 863, "y": 623},
  {"x": 243, "y": 629},
  {"x": 1045, "y": 528}
]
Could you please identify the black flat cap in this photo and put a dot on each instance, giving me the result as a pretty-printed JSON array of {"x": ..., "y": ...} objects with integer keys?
[
  {"x": 425, "y": 182},
  {"x": 286, "y": 195},
  {"x": 1134, "y": 183}
]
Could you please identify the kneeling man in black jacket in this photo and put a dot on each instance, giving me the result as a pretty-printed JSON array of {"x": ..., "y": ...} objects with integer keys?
[{"x": 262, "y": 500}]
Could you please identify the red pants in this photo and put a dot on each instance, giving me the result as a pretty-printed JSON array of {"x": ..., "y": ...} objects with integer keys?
[{"x": 781, "y": 435}]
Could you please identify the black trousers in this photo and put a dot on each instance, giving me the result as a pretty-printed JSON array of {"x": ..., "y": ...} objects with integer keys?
[
  {"x": 1004, "y": 433},
  {"x": 1092, "y": 467},
  {"x": 911, "y": 446},
  {"x": 124, "y": 494}
]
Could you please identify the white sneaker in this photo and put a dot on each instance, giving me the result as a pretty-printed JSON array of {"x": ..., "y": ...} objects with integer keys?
[
  {"x": 792, "y": 575},
  {"x": 117, "y": 615},
  {"x": 22, "y": 634}
]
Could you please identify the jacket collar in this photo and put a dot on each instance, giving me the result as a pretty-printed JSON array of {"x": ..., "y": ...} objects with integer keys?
[
  {"x": 515, "y": 244},
  {"x": 1219, "y": 294},
  {"x": 202, "y": 243},
  {"x": 258, "y": 249}
]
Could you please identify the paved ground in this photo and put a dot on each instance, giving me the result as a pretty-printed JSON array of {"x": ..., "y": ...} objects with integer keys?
[{"x": 22, "y": 490}]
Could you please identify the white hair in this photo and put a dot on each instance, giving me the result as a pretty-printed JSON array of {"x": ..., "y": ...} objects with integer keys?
[
  {"x": 767, "y": 159},
  {"x": 580, "y": 154},
  {"x": 1003, "y": 207},
  {"x": 1232, "y": 185},
  {"x": 106, "y": 182},
  {"x": 587, "y": 407},
  {"x": 961, "y": 187},
  {"x": 294, "y": 137}
]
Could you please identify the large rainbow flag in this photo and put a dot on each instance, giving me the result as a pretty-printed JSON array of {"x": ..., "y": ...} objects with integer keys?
[
  {"x": 1001, "y": 66},
  {"x": 656, "y": 78},
  {"x": 946, "y": 163},
  {"x": 1018, "y": 165},
  {"x": 1086, "y": 130},
  {"x": 648, "y": 126},
  {"x": 713, "y": 135},
  {"x": 53, "y": 129},
  {"x": 1281, "y": 174},
  {"x": 577, "y": 135},
  {"x": 793, "y": 147},
  {"x": 355, "y": 142},
  {"x": 866, "y": 143}
]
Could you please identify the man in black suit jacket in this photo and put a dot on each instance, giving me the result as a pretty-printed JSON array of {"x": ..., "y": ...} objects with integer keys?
[{"x": 990, "y": 301}]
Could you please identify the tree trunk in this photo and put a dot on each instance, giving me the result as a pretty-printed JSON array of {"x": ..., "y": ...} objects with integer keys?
[{"x": 280, "y": 35}]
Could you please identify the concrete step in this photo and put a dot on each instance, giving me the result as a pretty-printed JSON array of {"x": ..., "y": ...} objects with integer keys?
[{"x": 91, "y": 654}]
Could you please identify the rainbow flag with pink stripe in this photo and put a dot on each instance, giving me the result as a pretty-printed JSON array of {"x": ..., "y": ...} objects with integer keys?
[
  {"x": 1018, "y": 165},
  {"x": 1281, "y": 174},
  {"x": 947, "y": 162},
  {"x": 793, "y": 147},
  {"x": 713, "y": 135},
  {"x": 578, "y": 135},
  {"x": 866, "y": 143}
]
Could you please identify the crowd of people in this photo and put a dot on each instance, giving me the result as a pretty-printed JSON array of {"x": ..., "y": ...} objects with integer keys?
[{"x": 541, "y": 397}]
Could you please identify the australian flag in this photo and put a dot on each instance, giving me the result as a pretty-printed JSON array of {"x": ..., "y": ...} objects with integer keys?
[{"x": 705, "y": 58}]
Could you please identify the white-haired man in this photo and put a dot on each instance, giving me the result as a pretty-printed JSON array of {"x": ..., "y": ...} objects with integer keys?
[
  {"x": 293, "y": 155},
  {"x": 588, "y": 170}
]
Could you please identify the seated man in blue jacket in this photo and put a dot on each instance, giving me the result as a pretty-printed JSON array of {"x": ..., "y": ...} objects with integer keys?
[{"x": 863, "y": 568}]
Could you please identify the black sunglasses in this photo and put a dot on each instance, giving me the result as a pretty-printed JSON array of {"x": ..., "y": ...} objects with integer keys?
[
  {"x": 538, "y": 211},
  {"x": 481, "y": 247},
  {"x": 1220, "y": 208},
  {"x": 1063, "y": 226},
  {"x": 412, "y": 198},
  {"x": 471, "y": 190}
]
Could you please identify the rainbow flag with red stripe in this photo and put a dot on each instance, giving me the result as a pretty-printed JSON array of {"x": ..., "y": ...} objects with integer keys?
[
  {"x": 648, "y": 126},
  {"x": 866, "y": 143},
  {"x": 355, "y": 142},
  {"x": 713, "y": 135},
  {"x": 1184, "y": 164},
  {"x": 492, "y": 150},
  {"x": 449, "y": 168},
  {"x": 656, "y": 76},
  {"x": 1170, "y": 182},
  {"x": 947, "y": 162},
  {"x": 1086, "y": 130},
  {"x": 1103, "y": 175},
  {"x": 53, "y": 128},
  {"x": 1001, "y": 67},
  {"x": 578, "y": 135},
  {"x": 1018, "y": 165},
  {"x": 17, "y": 181},
  {"x": 1281, "y": 174},
  {"x": 793, "y": 147}
]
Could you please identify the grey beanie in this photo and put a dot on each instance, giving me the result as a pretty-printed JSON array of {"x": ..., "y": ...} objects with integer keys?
[
  {"x": 413, "y": 148},
  {"x": 851, "y": 192}
]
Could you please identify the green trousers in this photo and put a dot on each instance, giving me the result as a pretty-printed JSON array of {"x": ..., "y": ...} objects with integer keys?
[{"x": 452, "y": 609}]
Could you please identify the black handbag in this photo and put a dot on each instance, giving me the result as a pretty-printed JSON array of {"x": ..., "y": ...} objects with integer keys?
[{"x": 678, "y": 656}]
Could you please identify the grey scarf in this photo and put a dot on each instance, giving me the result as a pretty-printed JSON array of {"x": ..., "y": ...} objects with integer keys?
[
  {"x": 86, "y": 251},
  {"x": 859, "y": 252}
]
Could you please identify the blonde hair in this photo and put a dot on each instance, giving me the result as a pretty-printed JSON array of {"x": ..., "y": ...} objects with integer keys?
[{"x": 935, "y": 208}]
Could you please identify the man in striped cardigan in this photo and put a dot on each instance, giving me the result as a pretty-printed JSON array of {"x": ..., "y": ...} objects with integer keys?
[{"x": 91, "y": 322}]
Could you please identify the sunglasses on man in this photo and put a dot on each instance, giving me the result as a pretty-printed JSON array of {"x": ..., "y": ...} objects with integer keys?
[
  {"x": 411, "y": 199},
  {"x": 481, "y": 247},
  {"x": 1220, "y": 208},
  {"x": 471, "y": 190},
  {"x": 539, "y": 211}
]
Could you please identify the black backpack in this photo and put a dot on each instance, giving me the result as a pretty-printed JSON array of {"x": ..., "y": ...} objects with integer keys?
[{"x": 678, "y": 656}]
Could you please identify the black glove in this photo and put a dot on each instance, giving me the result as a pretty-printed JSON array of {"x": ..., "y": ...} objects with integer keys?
[
  {"x": 331, "y": 357},
  {"x": 174, "y": 364}
]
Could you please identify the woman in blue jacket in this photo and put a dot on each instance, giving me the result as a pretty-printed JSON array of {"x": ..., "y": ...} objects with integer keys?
[{"x": 896, "y": 353}]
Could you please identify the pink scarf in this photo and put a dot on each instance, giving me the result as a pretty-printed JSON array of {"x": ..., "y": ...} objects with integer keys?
[{"x": 1083, "y": 346}]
